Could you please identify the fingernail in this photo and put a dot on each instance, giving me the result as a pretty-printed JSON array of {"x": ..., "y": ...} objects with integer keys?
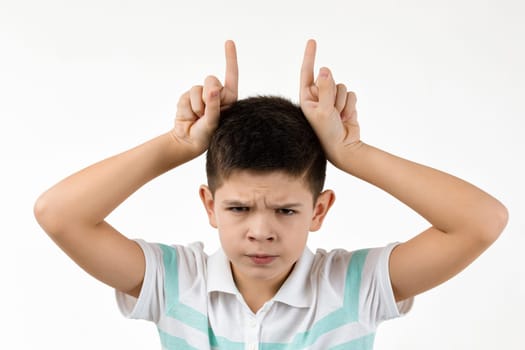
[
  {"x": 214, "y": 94},
  {"x": 323, "y": 73}
]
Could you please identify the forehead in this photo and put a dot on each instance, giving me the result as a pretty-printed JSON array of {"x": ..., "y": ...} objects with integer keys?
[{"x": 278, "y": 186}]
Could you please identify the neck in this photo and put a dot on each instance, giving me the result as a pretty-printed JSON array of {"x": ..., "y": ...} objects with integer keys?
[
  {"x": 255, "y": 298},
  {"x": 257, "y": 292}
]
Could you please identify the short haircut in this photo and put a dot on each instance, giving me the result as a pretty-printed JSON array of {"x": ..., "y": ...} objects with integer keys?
[{"x": 265, "y": 134}]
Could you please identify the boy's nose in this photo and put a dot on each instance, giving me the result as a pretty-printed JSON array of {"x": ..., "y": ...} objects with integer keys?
[{"x": 261, "y": 230}]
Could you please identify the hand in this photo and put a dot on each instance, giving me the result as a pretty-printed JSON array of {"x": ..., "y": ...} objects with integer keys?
[
  {"x": 329, "y": 108},
  {"x": 199, "y": 108}
]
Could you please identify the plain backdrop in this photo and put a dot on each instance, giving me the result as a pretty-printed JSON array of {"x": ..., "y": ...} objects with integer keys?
[{"x": 438, "y": 82}]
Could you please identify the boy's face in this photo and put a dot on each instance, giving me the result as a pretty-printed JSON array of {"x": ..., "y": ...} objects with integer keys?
[{"x": 263, "y": 222}]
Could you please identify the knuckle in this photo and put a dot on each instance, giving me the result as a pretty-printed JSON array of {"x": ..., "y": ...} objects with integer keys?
[
  {"x": 199, "y": 111},
  {"x": 211, "y": 80},
  {"x": 196, "y": 87},
  {"x": 183, "y": 99}
]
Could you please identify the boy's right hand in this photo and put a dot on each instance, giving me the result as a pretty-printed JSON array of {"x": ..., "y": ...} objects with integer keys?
[{"x": 199, "y": 108}]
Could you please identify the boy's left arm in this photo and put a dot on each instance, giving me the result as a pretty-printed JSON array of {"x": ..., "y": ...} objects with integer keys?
[{"x": 465, "y": 220}]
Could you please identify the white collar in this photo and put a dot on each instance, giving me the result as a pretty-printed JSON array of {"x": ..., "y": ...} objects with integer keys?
[
  {"x": 219, "y": 278},
  {"x": 295, "y": 291}
]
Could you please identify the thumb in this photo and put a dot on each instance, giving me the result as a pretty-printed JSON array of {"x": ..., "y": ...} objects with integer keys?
[
  {"x": 212, "y": 109},
  {"x": 327, "y": 89},
  {"x": 212, "y": 99}
]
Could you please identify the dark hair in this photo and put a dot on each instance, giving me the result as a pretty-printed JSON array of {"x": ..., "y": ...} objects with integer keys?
[{"x": 265, "y": 134}]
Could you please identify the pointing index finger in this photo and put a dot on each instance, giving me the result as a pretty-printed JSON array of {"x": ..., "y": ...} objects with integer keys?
[
  {"x": 307, "y": 69},
  {"x": 231, "y": 80}
]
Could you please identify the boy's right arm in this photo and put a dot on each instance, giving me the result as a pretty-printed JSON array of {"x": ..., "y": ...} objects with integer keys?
[{"x": 73, "y": 211}]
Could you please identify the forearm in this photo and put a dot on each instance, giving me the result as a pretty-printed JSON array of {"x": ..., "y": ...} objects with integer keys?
[
  {"x": 447, "y": 202},
  {"x": 88, "y": 196}
]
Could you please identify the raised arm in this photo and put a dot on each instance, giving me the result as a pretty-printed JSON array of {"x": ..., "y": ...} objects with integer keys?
[
  {"x": 465, "y": 220},
  {"x": 73, "y": 211}
]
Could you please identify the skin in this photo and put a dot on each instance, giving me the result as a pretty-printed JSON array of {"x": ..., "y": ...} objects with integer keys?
[{"x": 463, "y": 219}]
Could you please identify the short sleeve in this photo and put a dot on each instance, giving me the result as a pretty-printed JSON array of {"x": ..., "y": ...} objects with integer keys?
[
  {"x": 376, "y": 295},
  {"x": 173, "y": 275},
  {"x": 149, "y": 304}
]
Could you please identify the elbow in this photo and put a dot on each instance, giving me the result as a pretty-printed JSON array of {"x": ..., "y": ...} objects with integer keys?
[
  {"x": 495, "y": 221},
  {"x": 46, "y": 214},
  {"x": 502, "y": 218}
]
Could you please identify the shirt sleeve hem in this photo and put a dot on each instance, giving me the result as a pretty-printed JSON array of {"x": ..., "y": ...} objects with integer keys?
[
  {"x": 135, "y": 308},
  {"x": 395, "y": 309}
]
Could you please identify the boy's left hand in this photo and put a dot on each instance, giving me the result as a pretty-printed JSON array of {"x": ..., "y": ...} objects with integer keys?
[{"x": 329, "y": 108}]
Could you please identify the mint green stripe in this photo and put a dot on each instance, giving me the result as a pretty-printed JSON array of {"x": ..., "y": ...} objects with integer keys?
[
  {"x": 184, "y": 313},
  {"x": 224, "y": 343},
  {"x": 170, "y": 342},
  {"x": 348, "y": 313},
  {"x": 363, "y": 343},
  {"x": 330, "y": 322},
  {"x": 174, "y": 308},
  {"x": 353, "y": 283}
]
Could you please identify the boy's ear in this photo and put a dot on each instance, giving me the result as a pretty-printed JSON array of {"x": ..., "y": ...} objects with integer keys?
[
  {"x": 208, "y": 201},
  {"x": 321, "y": 207}
]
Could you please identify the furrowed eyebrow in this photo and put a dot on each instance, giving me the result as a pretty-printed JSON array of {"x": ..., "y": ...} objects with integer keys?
[
  {"x": 286, "y": 205},
  {"x": 238, "y": 203},
  {"x": 235, "y": 203}
]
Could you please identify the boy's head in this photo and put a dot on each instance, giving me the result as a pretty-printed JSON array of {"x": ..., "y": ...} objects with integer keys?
[
  {"x": 263, "y": 135},
  {"x": 266, "y": 170}
]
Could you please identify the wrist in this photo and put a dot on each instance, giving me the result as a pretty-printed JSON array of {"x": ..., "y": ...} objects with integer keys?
[
  {"x": 347, "y": 157},
  {"x": 180, "y": 150}
]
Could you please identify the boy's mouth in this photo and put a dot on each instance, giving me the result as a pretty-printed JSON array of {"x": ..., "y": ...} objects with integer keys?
[{"x": 262, "y": 259}]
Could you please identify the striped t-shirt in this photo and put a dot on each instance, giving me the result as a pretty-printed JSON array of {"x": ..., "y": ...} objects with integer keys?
[{"x": 330, "y": 300}]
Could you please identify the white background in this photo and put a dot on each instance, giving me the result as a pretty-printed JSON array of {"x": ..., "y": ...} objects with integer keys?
[{"x": 438, "y": 82}]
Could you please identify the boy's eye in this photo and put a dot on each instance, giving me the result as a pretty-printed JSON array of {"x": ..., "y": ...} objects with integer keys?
[
  {"x": 285, "y": 211},
  {"x": 238, "y": 209}
]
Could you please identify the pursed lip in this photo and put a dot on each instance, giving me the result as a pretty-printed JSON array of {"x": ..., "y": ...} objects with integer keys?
[
  {"x": 262, "y": 259},
  {"x": 262, "y": 255}
]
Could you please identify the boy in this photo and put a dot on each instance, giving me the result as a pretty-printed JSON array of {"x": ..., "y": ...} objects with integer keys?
[{"x": 265, "y": 165}]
